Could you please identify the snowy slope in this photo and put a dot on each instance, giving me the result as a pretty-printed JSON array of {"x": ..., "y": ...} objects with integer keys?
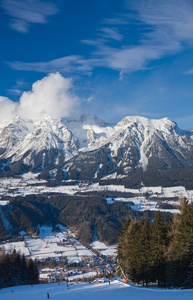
[
  {"x": 134, "y": 143},
  {"x": 91, "y": 131},
  {"x": 103, "y": 291},
  {"x": 93, "y": 145},
  {"x": 37, "y": 142}
]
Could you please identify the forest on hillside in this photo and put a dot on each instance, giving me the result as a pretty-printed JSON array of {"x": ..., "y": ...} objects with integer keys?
[
  {"x": 85, "y": 213},
  {"x": 158, "y": 251},
  {"x": 15, "y": 269}
]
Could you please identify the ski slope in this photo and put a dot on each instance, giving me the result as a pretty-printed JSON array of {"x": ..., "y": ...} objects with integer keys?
[{"x": 103, "y": 291}]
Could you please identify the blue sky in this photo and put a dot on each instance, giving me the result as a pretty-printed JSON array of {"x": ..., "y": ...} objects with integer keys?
[{"x": 111, "y": 58}]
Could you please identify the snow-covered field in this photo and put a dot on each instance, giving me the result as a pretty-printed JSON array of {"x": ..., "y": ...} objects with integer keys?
[
  {"x": 57, "y": 244},
  {"x": 102, "y": 291},
  {"x": 142, "y": 204},
  {"x": 28, "y": 184},
  {"x": 51, "y": 244},
  {"x": 63, "y": 243},
  {"x": 103, "y": 249}
]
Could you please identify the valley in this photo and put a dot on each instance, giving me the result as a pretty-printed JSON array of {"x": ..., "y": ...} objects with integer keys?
[
  {"x": 30, "y": 220},
  {"x": 66, "y": 186}
]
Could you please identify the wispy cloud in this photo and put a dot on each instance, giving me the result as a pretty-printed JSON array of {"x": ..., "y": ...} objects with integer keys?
[
  {"x": 168, "y": 29},
  {"x": 17, "y": 88},
  {"x": 189, "y": 72},
  {"x": 65, "y": 65},
  {"x": 111, "y": 33},
  {"x": 23, "y": 13},
  {"x": 164, "y": 28}
]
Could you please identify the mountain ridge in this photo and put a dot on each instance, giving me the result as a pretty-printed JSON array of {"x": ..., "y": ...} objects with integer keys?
[{"x": 89, "y": 148}]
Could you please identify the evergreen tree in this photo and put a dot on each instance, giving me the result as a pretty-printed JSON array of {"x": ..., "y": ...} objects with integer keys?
[
  {"x": 32, "y": 272},
  {"x": 159, "y": 242},
  {"x": 157, "y": 252},
  {"x": 24, "y": 270},
  {"x": 123, "y": 246},
  {"x": 144, "y": 252},
  {"x": 14, "y": 270},
  {"x": 181, "y": 252},
  {"x": 133, "y": 251}
]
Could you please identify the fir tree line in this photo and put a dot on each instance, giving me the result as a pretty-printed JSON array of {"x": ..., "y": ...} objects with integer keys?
[
  {"x": 158, "y": 252},
  {"x": 15, "y": 269}
]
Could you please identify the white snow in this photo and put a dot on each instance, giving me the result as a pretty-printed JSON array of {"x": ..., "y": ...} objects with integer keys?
[
  {"x": 51, "y": 244},
  {"x": 142, "y": 204},
  {"x": 100, "y": 291},
  {"x": 98, "y": 245},
  {"x": 23, "y": 138},
  {"x": 90, "y": 131},
  {"x": 97, "y": 170},
  {"x": 110, "y": 251},
  {"x": 29, "y": 185},
  {"x": 3, "y": 202},
  {"x": 6, "y": 223},
  {"x": 18, "y": 246}
]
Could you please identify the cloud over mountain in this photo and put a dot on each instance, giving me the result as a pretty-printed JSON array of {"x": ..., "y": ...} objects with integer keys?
[{"x": 51, "y": 95}]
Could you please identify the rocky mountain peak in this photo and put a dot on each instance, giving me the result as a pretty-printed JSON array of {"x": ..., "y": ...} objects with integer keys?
[{"x": 134, "y": 143}]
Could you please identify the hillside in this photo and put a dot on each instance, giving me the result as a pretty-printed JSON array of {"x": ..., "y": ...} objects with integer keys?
[
  {"x": 103, "y": 291},
  {"x": 27, "y": 202},
  {"x": 136, "y": 150}
]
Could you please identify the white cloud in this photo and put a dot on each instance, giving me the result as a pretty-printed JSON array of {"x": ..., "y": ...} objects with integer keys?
[
  {"x": 166, "y": 28},
  {"x": 51, "y": 95},
  {"x": 26, "y": 12},
  {"x": 65, "y": 65},
  {"x": 111, "y": 33},
  {"x": 8, "y": 109},
  {"x": 14, "y": 92},
  {"x": 171, "y": 20},
  {"x": 189, "y": 72},
  {"x": 17, "y": 88},
  {"x": 169, "y": 29}
]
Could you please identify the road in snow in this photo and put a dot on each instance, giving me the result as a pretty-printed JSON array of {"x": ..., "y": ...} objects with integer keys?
[{"x": 102, "y": 291}]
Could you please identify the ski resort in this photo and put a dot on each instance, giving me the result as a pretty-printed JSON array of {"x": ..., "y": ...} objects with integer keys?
[{"x": 115, "y": 291}]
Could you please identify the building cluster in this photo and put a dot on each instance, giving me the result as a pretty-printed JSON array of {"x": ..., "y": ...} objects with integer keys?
[{"x": 87, "y": 270}]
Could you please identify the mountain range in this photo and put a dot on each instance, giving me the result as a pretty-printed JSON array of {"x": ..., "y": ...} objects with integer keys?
[{"x": 141, "y": 150}]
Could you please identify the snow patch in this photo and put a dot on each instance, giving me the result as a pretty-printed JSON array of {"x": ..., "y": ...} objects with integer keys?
[{"x": 97, "y": 170}]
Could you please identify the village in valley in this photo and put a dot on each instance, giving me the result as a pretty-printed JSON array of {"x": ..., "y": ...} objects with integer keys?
[{"x": 60, "y": 256}]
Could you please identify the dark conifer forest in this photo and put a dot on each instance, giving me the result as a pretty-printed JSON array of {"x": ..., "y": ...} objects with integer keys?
[
  {"x": 15, "y": 269},
  {"x": 158, "y": 252}
]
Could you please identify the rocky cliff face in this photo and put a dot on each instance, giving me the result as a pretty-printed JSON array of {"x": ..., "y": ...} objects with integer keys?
[{"x": 89, "y": 148}]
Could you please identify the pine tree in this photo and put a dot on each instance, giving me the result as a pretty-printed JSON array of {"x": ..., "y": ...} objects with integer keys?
[
  {"x": 144, "y": 252},
  {"x": 133, "y": 252},
  {"x": 24, "y": 270},
  {"x": 181, "y": 252},
  {"x": 159, "y": 241},
  {"x": 158, "y": 252},
  {"x": 33, "y": 274},
  {"x": 123, "y": 246},
  {"x": 127, "y": 250}
]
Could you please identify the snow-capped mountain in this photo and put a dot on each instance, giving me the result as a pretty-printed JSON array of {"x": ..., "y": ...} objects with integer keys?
[{"x": 89, "y": 148}]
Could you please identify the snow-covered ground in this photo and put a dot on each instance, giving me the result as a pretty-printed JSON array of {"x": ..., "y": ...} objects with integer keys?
[
  {"x": 103, "y": 249},
  {"x": 51, "y": 244},
  {"x": 28, "y": 184},
  {"x": 142, "y": 204},
  {"x": 103, "y": 291},
  {"x": 57, "y": 244}
]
